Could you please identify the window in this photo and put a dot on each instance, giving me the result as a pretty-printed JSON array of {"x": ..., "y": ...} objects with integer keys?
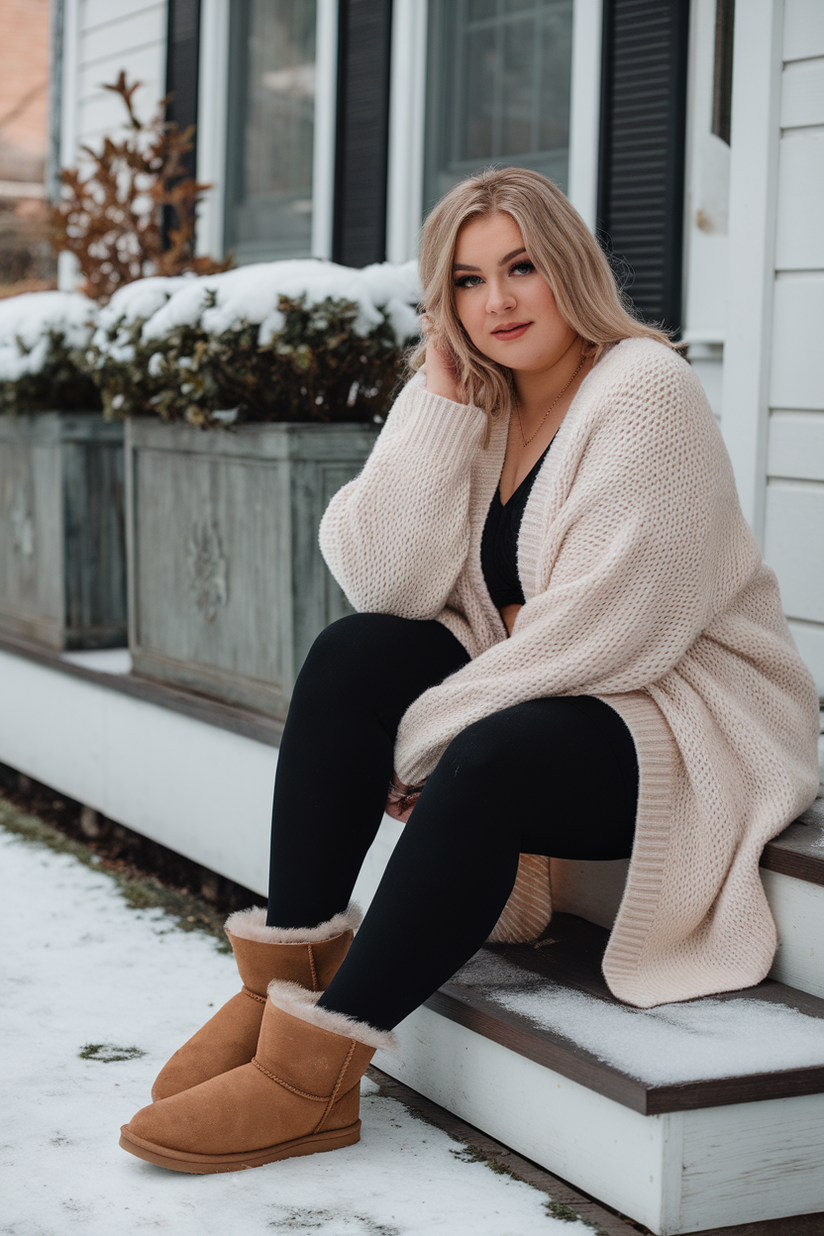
[
  {"x": 722, "y": 75},
  {"x": 498, "y": 89},
  {"x": 270, "y": 138}
]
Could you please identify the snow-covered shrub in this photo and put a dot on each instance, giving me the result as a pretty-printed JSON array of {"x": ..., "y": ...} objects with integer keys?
[
  {"x": 280, "y": 341},
  {"x": 43, "y": 338}
]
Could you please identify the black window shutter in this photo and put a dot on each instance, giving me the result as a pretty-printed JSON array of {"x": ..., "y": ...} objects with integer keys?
[
  {"x": 182, "y": 58},
  {"x": 642, "y": 150},
  {"x": 359, "y": 232}
]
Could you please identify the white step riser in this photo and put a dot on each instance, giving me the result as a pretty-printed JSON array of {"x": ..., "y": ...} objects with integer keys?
[
  {"x": 195, "y": 788},
  {"x": 675, "y": 1173},
  {"x": 798, "y": 910},
  {"x": 207, "y": 793}
]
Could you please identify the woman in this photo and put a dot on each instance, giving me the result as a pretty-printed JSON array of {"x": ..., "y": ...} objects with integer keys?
[{"x": 561, "y": 607}]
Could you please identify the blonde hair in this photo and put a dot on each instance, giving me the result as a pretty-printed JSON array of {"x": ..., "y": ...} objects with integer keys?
[{"x": 562, "y": 248}]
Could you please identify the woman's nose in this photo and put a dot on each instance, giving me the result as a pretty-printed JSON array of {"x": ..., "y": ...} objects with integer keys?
[{"x": 498, "y": 299}]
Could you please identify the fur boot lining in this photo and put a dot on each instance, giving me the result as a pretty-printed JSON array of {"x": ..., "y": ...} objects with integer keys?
[
  {"x": 302, "y": 1004},
  {"x": 251, "y": 925}
]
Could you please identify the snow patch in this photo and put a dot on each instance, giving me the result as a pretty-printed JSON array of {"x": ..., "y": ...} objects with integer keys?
[
  {"x": 251, "y": 294},
  {"x": 84, "y": 971},
  {"x": 27, "y": 320},
  {"x": 672, "y": 1043},
  {"x": 217, "y": 303}
]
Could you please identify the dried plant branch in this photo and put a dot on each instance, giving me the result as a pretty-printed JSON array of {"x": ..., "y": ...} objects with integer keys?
[{"x": 134, "y": 213}]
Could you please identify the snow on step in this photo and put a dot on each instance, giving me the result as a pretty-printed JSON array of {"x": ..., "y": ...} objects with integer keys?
[
  {"x": 692, "y": 1041},
  {"x": 685, "y": 1117}
]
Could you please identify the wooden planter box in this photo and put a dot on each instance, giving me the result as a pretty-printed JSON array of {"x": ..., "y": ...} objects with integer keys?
[
  {"x": 62, "y": 543},
  {"x": 227, "y": 586}
]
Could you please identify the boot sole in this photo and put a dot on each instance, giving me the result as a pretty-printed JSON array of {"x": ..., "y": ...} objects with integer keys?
[{"x": 202, "y": 1164}]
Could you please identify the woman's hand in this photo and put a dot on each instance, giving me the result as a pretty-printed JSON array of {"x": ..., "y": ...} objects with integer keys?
[
  {"x": 401, "y": 798},
  {"x": 441, "y": 378},
  {"x": 509, "y": 613}
]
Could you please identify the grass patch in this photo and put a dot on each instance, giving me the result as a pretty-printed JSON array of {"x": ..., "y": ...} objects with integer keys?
[
  {"x": 560, "y": 1210},
  {"x": 312, "y": 1220},
  {"x": 471, "y": 1154},
  {"x": 29, "y": 828},
  {"x": 107, "y": 1053},
  {"x": 139, "y": 892}
]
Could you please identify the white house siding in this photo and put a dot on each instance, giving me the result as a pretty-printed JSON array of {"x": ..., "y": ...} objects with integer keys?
[
  {"x": 102, "y": 37},
  {"x": 773, "y": 379},
  {"x": 794, "y": 507}
]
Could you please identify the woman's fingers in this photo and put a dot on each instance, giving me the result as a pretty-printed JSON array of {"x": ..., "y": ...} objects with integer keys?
[{"x": 441, "y": 375}]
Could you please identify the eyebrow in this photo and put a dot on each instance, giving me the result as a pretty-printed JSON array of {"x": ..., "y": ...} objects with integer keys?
[{"x": 503, "y": 261}]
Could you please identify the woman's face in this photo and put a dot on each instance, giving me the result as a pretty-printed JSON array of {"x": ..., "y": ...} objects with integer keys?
[{"x": 505, "y": 305}]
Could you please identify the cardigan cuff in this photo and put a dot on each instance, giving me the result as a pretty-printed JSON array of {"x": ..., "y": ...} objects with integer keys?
[{"x": 432, "y": 423}]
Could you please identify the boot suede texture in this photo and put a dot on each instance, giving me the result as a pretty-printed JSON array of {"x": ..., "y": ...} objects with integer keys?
[
  {"x": 308, "y": 957},
  {"x": 299, "y": 1094}
]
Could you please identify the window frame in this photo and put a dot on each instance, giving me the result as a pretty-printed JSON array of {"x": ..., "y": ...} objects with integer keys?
[
  {"x": 213, "y": 126},
  {"x": 407, "y": 119}
]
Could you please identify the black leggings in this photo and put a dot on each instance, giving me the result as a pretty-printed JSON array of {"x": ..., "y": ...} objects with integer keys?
[{"x": 553, "y": 776}]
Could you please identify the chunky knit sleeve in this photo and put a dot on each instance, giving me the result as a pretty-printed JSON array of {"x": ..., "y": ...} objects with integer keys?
[
  {"x": 642, "y": 545},
  {"x": 397, "y": 536}
]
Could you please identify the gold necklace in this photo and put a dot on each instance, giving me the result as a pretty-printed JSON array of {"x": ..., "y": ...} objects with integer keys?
[{"x": 526, "y": 441}]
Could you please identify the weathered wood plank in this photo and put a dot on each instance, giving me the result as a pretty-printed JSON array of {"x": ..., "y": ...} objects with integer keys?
[
  {"x": 799, "y": 850},
  {"x": 227, "y": 585},
  {"x": 802, "y": 94},
  {"x": 752, "y": 1159},
  {"x": 62, "y": 549}
]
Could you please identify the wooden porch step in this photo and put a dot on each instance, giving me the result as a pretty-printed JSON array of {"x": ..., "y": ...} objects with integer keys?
[
  {"x": 799, "y": 851},
  {"x": 568, "y": 959},
  {"x": 792, "y": 871},
  {"x": 637, "y": 1107}
]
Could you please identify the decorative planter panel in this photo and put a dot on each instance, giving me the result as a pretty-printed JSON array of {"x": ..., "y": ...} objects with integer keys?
[
  {"x": 227, "y": 586},
  {"x": 62, "y": 540}
]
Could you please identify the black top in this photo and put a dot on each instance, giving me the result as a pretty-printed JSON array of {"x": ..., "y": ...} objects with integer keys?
[{"x": 499, "y": 543}]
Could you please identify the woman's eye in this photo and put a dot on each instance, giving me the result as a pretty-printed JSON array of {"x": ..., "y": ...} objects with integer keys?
[
  {"x": 524, "y": 267},
  {"x": 468, "y": 281}
]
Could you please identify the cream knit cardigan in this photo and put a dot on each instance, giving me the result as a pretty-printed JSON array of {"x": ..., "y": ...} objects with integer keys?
[{"x": 645, "y": 587}]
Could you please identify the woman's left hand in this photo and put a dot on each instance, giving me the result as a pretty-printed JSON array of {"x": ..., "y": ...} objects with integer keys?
[
  {"x": 509, "y": 613},
  {"x": 401, "y": 799},
  {"x": 441, "y": 374}
]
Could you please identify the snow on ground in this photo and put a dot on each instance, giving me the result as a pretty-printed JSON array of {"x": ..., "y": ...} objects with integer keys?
[
  {"x": 104, "y": 660},
  {"x": 83, "y": 971}
]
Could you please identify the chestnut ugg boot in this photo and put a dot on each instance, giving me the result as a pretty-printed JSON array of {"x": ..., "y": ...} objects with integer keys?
[
  {"x": 300, "y": 1094},
  {"x": 309, "y": 957}
]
